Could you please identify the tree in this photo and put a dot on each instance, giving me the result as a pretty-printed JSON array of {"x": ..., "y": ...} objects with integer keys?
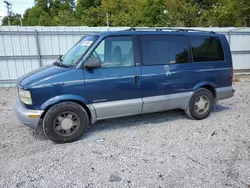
[
  {"x": 14, "y": 20},
  {"x": 183, "y": 12},
  {"x": 86, "y": 4},
  {"x": 51, "y": 12},
  {"x": 228, "y": 13},
  {"x": 154, "y": 13},
  {"x": 32, "y": 15},
  {"x": 134, "y": 13},
  {"x": 244, "y": 6}
]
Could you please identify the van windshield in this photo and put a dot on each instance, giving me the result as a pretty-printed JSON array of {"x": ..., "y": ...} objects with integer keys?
[{"x": 72, "y": 57}]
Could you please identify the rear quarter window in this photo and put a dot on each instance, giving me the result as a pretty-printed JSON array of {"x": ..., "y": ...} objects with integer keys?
[
  {"x": 164, "y": 49},
  {"x": 206, "y": 49}
]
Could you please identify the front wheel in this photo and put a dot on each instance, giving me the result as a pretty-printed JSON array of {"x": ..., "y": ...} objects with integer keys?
[
  {"x": 200, "y": 104},
  {"x": 65, "y": 122}
]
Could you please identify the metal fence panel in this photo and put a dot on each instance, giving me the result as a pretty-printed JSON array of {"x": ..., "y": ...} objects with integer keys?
[
  {"x": 240, "y": 42},
  {"x": 23, "y": 49}
]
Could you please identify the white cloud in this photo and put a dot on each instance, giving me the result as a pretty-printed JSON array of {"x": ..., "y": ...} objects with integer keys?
[{"x": 2, "y": 13}]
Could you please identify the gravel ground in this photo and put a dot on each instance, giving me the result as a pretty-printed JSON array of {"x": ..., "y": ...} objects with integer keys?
[{"x": 157, "y": 150}]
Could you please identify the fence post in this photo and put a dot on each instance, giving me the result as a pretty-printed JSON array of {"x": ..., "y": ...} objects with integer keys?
[
  {"x": 229, "y": 38},
  {"x": 38, "y": 49}
]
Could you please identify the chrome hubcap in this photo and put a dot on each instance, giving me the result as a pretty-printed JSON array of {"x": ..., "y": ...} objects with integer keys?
[
  {"x": 201, "y": 104},
  {"x": 66, "y": 123}
]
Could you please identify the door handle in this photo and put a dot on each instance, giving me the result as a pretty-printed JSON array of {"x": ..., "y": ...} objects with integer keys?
[{"x": 137, "y": 80}]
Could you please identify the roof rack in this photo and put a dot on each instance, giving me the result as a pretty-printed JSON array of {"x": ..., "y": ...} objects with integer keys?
[{"x": 167, "y": 29}]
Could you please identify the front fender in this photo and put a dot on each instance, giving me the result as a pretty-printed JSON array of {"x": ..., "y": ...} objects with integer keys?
[
  {"x": 60, "y": 98},
  {"x": 205, "y": 83}
]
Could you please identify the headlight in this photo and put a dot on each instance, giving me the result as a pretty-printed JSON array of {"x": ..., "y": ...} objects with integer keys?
[{"x": 24, "y": 96}]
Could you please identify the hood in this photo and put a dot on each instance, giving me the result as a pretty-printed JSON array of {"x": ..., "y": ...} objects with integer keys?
[{"x": 39, "y": 74}]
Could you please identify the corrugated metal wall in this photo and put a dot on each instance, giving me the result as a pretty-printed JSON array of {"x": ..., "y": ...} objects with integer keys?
[{"x": 23, "y": 49}]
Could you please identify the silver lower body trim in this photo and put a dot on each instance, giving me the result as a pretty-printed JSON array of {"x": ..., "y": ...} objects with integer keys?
[
  {"x": 106, "y": 110},
  {"x": 166, "y": 102},
  {"x": 23, "y": 114},
  {"x": 113, "y": 109},
  {"x": 224, "y": 92}
]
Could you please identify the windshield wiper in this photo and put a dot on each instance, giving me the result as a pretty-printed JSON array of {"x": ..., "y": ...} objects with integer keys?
[{"x": 59, "y": 63}]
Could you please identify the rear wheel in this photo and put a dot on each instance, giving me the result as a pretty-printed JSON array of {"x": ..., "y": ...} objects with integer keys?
[
  {"x": 65, "y": 122},
  {"x": 200, "y": 104}
]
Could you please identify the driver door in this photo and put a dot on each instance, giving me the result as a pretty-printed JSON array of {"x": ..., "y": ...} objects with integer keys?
[{"x": 114, "y": 89}]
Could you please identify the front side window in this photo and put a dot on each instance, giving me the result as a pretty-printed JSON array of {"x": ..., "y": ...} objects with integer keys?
[
  {"x": 206, "y": 49},
  {"x": 115, "y": 52},
  {"x": 164, "y": 49},
  {"x": 72, "y": 57}
]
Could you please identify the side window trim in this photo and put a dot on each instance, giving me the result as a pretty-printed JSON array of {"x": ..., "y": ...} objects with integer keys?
[
  {"x": 223, "y": 48},
  {"x": 137, "y": 51},
  {"x": 112, "y": 36},
  {"x": 190, "y": 50}
]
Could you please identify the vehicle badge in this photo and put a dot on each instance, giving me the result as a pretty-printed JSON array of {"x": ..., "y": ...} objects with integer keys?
[{"x": 167, "y": 70}]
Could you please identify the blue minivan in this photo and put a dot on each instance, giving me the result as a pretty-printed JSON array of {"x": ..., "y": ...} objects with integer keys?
[{"x": 123, "y": 73}]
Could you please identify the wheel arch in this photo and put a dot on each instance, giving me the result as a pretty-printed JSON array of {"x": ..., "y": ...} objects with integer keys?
[
  {"x": 207, "y": 85},
  {"x": 190, "y": 112},
  {"x": 81, "y": 101}
]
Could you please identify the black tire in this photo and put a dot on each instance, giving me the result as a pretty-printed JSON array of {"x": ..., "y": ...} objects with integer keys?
[
  {"x": 54, "y": 113},
  {"x": 191, "y": 111}
]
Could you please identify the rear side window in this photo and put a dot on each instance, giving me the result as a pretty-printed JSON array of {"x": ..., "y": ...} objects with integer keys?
[
  {"x": 163, "y": 50},
  {"x": 206, "y": 49}
]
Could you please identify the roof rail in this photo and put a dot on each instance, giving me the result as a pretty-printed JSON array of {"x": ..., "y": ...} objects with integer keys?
[
  {"x": 198, "y": 30},
  {"x": 167, "y": 29}
]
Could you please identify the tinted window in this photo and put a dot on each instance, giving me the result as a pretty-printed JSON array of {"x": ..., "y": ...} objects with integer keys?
[
  {"x": 115, "y": 52},
  {"x": 206, "y": 49},
  {"x": 162, "y": 50}
]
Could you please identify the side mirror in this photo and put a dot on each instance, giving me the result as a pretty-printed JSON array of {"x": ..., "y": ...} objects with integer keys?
[{"x": 92, "y": 63}]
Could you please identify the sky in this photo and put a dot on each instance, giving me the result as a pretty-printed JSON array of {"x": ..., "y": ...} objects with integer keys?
[{"x": 18, "y": 6}]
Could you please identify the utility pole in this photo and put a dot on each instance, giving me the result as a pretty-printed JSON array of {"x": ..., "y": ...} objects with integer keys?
[
  {"x": 9, "y": 12},
  {"x": 20, "y": 18},
  {"x": 107, "y": 19}
]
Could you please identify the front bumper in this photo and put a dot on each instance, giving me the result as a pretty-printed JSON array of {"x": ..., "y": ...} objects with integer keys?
[{"x": 26, "y": 116}]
